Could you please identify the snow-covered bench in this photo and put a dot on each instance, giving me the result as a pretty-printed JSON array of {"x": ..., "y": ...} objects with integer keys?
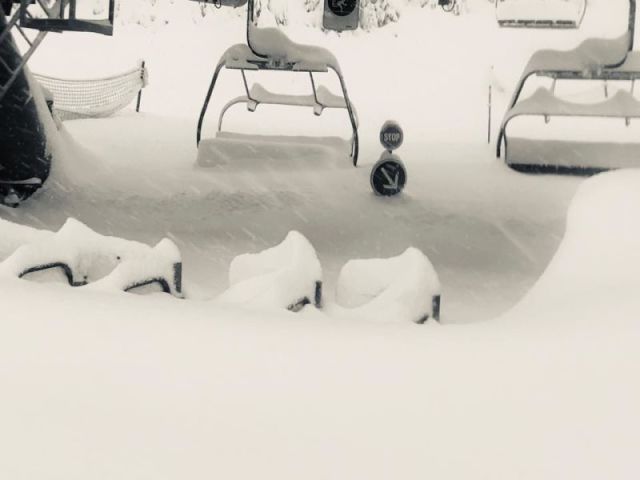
[
  {"x": 269, "y": 49},
  {"x": 288, "y": 276},
  {"x": 87, "y": 258}
]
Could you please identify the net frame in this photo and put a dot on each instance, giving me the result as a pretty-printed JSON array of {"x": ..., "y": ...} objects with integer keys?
[{"x": 97, "y": 97}]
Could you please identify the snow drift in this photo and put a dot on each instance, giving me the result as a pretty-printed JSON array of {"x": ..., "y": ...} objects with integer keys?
[
  {"x": 599, "y": 256},
  {"x": 86, "y": 257}
]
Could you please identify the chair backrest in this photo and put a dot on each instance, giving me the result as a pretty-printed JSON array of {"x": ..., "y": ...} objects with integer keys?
[{"x": 540, "y": 13}]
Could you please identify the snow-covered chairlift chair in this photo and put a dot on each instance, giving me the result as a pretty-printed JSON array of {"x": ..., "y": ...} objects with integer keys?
[
  {"x": 269, "y": 49},
  {"x": 88, "y": 259},
  {"x": 556, "y": 14},
  {"x": 593, "y": 59}
]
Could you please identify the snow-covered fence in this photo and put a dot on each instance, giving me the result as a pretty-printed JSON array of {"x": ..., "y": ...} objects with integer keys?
[
  {"x": 97, "y": 97},
  {"x": 107, "y": 263}
]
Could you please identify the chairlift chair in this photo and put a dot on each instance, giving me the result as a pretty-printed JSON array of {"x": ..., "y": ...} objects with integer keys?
[
  {"x": 558, "y": 14},
  {"x": 594, "y": 60},
  {"x": 268, "y": 49}
]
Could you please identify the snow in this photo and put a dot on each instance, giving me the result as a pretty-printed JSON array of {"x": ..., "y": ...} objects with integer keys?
[
  {"x": 112, "y": 263},
  {"x": 145, "y": 387},
  {"x": 600, "y": 253},
  {"x": 99, "y": 384},
  {"x": 285, "y": 276},
  {"x": 396, "y": 289},
  {"x": 276, "y": 45}
]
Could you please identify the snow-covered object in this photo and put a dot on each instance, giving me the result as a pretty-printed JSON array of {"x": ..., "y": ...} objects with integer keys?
[
  {"x": 259, "y": 153},
  {"x": 274, "y": 44},
  {"x": 591, "y": 55},
  {"x": 543, "y": 102},
  {"x": 288, "y": 276},
  {"x": 600, "y": 251},
  {"x": 86, "y": 257},
  {"x": 160, "y": 265},
  {"x": 405, "y": 288},
  {"x": 598, "y": 155}
]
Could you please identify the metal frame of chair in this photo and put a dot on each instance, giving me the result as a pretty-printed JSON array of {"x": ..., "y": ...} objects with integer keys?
[
  {"x": 249, "y": 58},
  {"x": 614, "y": 61}
]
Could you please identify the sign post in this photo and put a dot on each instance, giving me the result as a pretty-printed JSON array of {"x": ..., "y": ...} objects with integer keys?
[{"x": 389, "y": 175}]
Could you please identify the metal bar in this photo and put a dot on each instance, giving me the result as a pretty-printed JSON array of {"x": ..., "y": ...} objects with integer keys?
[
  {"x": 632, "y": 23},
  {"x": 19, "y": 68},
  {"x": 6, "y": 67},
  {"x": 313, "y": 87},
  {"x": 207, "y": 99},
  {"x": 250, "y": 14},
  {"x": 7, "y": 29},
  {"x": 50, "y": 12},
  {"x": 355, "y": 141},
  {"x": 24, "y": 35},
  {"x": 140, "y": 91},
  {"x": 489, "y": 119},
  {"x": 244, "y": 81}
]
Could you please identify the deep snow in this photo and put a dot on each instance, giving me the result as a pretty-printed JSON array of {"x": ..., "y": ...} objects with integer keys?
[{"x": 108, "y": 385}]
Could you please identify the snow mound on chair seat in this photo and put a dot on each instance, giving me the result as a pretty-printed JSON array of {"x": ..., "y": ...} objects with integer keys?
[
  {"x": 118, "y": 263},
  {"x": 157, "y": 264},
  {"x": 279, "y": 277},
  {"x": 397, "y": 289},
  {"x": 600, "y": 253},
  {"x": 275, "y": 44}
]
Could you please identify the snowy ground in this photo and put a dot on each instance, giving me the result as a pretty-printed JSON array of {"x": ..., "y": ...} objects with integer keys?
[
  {"x": 100, "y": 385},
  {"x": 489, "y": 232}
]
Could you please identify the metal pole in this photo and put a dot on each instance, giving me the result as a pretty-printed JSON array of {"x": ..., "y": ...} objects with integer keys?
[
  {"x": 140, "y": 91},
  {"x": 489, "y": 107}
]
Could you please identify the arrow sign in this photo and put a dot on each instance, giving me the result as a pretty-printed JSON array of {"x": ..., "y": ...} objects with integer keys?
[{"x": 388, "y": 176}]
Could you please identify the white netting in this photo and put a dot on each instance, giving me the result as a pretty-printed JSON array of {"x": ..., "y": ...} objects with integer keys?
[{"x": 98, "y": 97}]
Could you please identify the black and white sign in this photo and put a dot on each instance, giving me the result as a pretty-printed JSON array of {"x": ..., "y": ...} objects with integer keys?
[
  {"x": 388, "y": 176},
  {"x": 342, "y": 8},
  {"x": 391, "y": 135},
  {"x": 341, "y": 15}
]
